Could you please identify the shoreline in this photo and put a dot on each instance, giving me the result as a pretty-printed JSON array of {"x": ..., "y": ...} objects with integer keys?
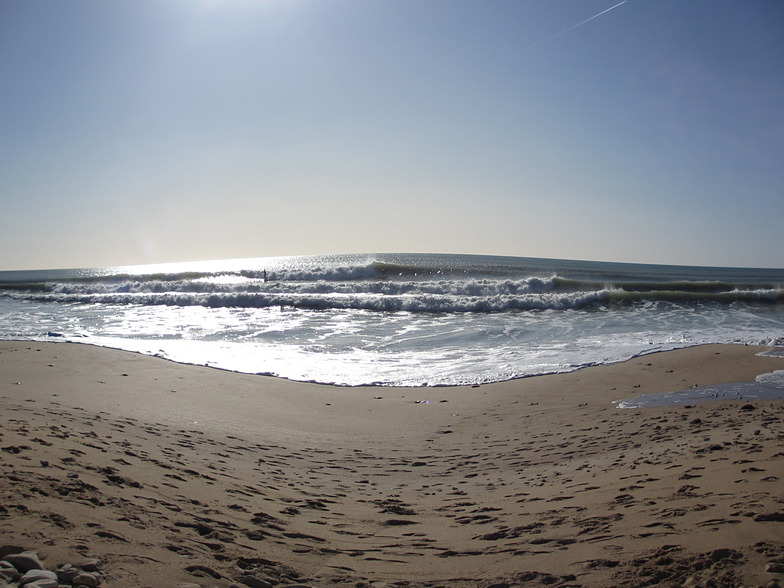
[
  {"x": 174, "y": 473},
  {"x": 380, "y": 386}
]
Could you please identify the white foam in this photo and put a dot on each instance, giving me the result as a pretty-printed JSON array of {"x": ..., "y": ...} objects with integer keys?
[
  {"x": 773, "y": 379},
  {"x": 776, "y": 350},
  {"x": 420, "y": 320}
]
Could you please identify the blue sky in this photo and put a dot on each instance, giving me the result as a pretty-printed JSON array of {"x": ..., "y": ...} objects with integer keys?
[{"x": 145, "y": 131}]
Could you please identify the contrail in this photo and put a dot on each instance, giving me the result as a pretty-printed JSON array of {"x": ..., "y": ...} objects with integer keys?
[{"x": 571, "y": 28}]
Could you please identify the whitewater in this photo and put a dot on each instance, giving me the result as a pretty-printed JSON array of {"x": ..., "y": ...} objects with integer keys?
[{"x": 396, "y": 319}]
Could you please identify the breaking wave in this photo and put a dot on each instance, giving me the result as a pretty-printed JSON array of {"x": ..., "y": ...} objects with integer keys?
[
  {"x": 405, "y": 319},
  {"x": 342, "y": 289}
]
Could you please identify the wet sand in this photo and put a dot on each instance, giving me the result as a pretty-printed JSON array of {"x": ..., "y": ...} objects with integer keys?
[{"x": 173, "y": 474}]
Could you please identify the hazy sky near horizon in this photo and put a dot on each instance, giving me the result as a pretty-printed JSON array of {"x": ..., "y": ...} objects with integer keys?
[{"x": 146, "y": 131}]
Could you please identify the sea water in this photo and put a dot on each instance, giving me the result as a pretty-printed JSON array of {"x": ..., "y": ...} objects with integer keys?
[{"x": 396, "y": 319}]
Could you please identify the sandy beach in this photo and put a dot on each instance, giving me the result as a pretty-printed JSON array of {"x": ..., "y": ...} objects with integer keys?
[{"x": 173, "y": 474}]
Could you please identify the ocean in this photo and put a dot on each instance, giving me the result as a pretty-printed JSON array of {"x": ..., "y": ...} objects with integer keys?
[{"x": 396, "y": 319}]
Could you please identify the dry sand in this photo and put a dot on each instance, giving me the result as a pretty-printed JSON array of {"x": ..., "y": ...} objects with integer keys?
[{"x": 172, "y": 473}]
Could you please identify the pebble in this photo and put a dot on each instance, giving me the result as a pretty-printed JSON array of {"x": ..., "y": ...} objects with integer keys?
[
  {"x": 87, "y": 579},
  {"x": 23, "y": 569},
  {"x": 66, "y": 573},
  {"x": 91, "y": 565},
  {"x": 8, "y": 575},
  {"x": 39, "y": 579},
  {"x": 25, "y": 561}
]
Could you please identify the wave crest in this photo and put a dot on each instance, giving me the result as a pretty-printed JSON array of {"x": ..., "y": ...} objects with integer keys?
[{"x": 384, "y": 286}]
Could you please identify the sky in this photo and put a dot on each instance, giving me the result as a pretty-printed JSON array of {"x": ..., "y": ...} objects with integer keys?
[{"x": 151, "y": 131}]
